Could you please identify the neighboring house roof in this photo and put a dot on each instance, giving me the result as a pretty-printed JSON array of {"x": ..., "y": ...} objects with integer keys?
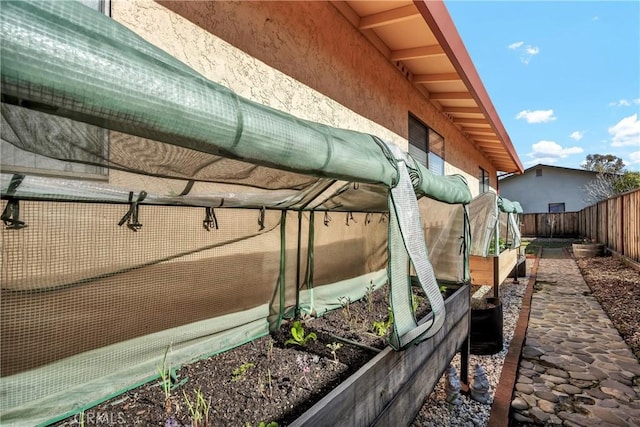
[
  {"x": 420, "y": 38},
  {"x": 540, "y": 165}
]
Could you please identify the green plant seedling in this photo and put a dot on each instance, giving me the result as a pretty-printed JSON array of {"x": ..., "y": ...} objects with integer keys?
[
  {"x": 369, "y": 296},
  {"x": 165, "y": 381},
  {"x": 198, "y": 410},
  {"x": 381, "y": 328},
  {"x": 334, "y": 347},
  {"x": 298, "y": 336},
  {"x": 415, "y": 301},
  {"x": 345, "y": 302},
  {"x": 239, "y": 372}
]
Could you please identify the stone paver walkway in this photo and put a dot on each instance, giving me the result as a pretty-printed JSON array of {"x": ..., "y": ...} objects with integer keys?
[{"x": 575, "y": 369}]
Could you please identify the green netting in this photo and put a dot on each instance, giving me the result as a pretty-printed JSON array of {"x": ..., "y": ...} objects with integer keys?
[
  {"x": 494, "y": 222},
  {"x": 107, "y": 273}
]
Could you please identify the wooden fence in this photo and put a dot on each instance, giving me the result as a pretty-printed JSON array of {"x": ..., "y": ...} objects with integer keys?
[{"x": 614, "y": 222}]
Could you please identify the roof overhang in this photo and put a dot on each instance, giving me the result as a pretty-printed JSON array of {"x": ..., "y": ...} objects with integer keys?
[{"x": 421, "y": 40}]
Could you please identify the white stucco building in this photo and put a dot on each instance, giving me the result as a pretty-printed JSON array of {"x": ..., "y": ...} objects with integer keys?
[{"x": 544, "y": 188}]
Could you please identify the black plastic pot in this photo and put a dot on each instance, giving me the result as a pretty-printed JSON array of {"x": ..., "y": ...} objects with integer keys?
[{"x": 486, "y": 328}]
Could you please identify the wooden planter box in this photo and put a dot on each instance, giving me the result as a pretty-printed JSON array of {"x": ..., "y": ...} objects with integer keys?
[
  {"x": 493, "y": 270},
  {"x": 392, "y": 387},
  {"x": 587, "y": 250}
]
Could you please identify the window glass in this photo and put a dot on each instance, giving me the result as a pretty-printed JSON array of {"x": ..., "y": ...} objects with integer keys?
[
  {"x": 483, "y": 180},
  {"x": 556, "y": 207},
  {"x": 426, "y": 146}
]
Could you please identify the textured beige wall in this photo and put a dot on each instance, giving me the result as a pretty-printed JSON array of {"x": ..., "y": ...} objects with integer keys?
[{"x": 303, "y": 58}]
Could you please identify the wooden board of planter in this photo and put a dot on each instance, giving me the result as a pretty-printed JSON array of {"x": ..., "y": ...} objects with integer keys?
[
  {"x": 493, "y": 270},
  {"x": 392, "y": 387}
]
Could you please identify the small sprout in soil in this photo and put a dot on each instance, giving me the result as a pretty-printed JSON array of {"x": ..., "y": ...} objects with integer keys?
[
  {"x": 270, "y": 351},
  {"x": 443, "y": 289},
  {"x": 198, "y": 409},
  {"x": 369, "y": 296},
  {"x": 345, "y": 302},
  {"x": 239, "y": 372},
  {"x": 298, "y": 336},
  {"x": 263, "y": 389},
  {"x": 165, "y": 377},
  {"x": 334, "y": 347},
  {"x": 262, "y": 424},
  {"x": 303, "y": 363}
]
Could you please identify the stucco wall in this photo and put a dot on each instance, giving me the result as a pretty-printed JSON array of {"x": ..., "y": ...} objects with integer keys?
[
  {"x": 303, "y": 58},
  {"x": 556, "y": 185}
]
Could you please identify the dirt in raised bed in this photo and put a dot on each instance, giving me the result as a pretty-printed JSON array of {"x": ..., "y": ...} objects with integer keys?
[{"x": 265, "y": 380}]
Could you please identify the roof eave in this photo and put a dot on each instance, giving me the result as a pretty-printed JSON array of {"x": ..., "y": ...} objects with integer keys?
[{"x": 435, "y": 14}]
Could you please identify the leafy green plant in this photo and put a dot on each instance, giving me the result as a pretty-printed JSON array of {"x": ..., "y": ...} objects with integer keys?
[
  {"x": 334, "y": 347},
  {"x": 198, "y": 409},
  {"x": 443, "y": 289},
  {"x": 501, "y": 245},
  {"x": 298, "y": 336},
  {"x": 415, "y": 301},
  {"x": 239, "y": 372},
  {"x": 262, "y": 424},
  {"x": 382, "y": 327}
]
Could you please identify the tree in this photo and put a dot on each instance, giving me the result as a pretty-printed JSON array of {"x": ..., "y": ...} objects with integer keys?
[
  {"x": 628, "y": 181},
  {"x": 603, "y": 163},
  {"x": 611, "y": 180}
]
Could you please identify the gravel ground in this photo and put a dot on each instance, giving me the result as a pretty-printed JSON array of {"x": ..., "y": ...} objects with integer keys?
[
  {"x": 437, "y": 412},
  {"x": 615, "y": 286}
]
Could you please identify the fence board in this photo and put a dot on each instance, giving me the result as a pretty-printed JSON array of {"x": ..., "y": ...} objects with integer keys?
[{"x": 614, "y": 222}]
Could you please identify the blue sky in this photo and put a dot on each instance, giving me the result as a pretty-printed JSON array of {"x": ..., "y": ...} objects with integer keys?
[{"x": 563, "y": 76}]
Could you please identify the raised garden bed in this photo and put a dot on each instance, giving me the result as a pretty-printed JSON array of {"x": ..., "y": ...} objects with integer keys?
[{"x": 346, "y": 376}]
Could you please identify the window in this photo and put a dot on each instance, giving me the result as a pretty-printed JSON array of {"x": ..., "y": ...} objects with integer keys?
[
  {"x": 16, "y": 160},
  {"x": 556, "y": 207},
  {"x": 538, "y": 172},
  {"x": 426, "y": 146},
  {"x": 483, "y": 180}
]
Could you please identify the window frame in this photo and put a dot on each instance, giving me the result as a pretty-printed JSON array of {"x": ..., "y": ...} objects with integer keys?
[
  {"x": 554, "y": 205},
  {"x": 428, "y": 154},
  {"x": 484, "y": 181}
]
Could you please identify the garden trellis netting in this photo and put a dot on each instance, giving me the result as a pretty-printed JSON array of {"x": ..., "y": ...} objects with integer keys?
[
  {"x": 212, "y": 219},
  {"x": 493, "y": 218}
]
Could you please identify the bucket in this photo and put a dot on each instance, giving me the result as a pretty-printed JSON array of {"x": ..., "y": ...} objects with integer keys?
[
  {"x": 486, "y": 328},
  {"x": 588, "y": 250}
]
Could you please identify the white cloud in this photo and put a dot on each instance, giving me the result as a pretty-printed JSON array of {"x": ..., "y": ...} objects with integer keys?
[
  {"x": 577, "y": 135},
  {"x": 526, "y": 51},
  {"x": 626, "y": 132},
  {"x": 634, "y": 157},
  {"x": 550, "y": 152},
  {"x": 537, "y": 116},
  {"x": 624, "y": 103}
]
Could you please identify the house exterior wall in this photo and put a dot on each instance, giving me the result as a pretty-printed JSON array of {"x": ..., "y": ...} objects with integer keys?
[
  {"x": 302, "y": 58},
  {"x": 556, "y": 185}
]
